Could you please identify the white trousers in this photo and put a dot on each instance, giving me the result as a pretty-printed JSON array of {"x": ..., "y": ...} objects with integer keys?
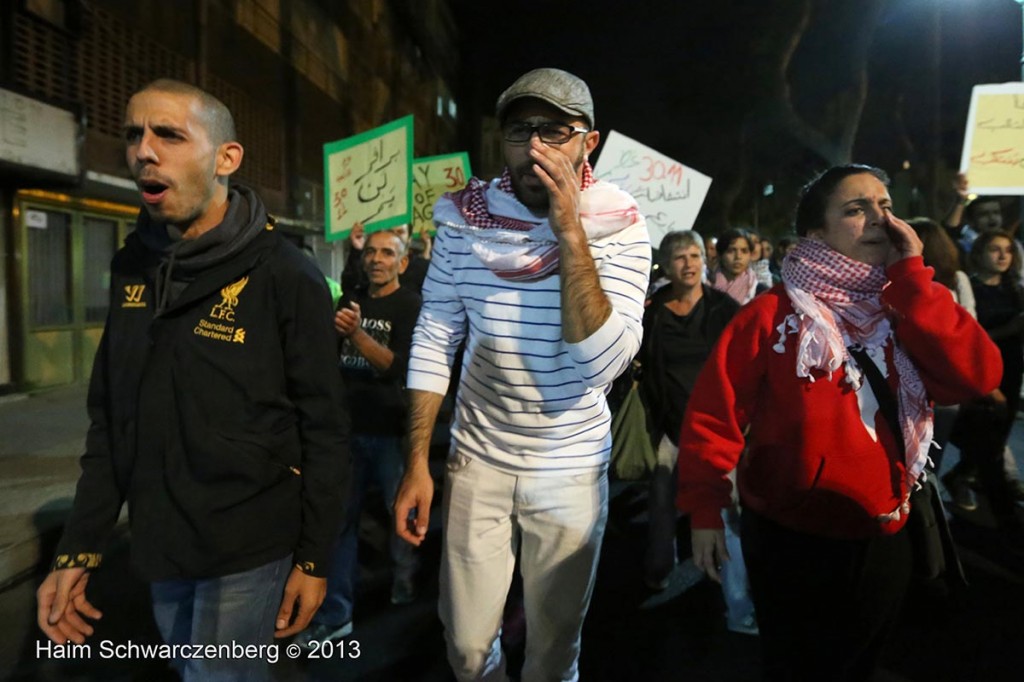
[{"x": 559, "y": 521}]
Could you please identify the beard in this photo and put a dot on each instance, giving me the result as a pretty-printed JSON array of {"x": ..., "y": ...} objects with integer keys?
[{"x": 529, "y": 189}]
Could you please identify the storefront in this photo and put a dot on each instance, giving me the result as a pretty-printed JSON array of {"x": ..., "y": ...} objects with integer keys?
[
  {"x": 40, "y": 146},
  {"x": 63, "y": 286}
]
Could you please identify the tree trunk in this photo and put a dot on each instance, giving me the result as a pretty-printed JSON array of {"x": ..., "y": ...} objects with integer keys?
[{"x": 834, "y": 151}]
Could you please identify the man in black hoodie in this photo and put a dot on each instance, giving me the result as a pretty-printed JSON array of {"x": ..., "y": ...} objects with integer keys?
[{"x": 212, "y": 411}]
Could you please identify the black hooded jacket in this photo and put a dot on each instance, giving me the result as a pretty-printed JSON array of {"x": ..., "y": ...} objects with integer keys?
[{"x": 213, "y": 405}]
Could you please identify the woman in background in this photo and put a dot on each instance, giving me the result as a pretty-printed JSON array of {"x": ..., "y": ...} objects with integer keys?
[
  {"x": 734, "y": 275},
  {"x": 985, "y": 424},
  {"x": 940, "y": 254},
  {"x": 759, "y": 259},
  {"x": 681, "y": 324}
]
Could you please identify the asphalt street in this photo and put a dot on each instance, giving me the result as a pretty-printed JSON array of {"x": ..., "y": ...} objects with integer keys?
[{"x": 631, "y": 633}]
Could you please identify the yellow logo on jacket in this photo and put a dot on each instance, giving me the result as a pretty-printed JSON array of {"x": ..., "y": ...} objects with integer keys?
[
  {"x": 133, "y": 296},
  {"x": 225, "y": 310}
]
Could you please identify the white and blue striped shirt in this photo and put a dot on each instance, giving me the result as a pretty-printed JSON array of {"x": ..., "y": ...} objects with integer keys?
[{"x": 528, "y": 402}]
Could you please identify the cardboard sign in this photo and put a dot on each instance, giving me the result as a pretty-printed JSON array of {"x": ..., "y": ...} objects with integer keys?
[
  {"x": 432, "y": 177},
  {"x": 669, "y": 193},
  {"x": 368, "y": 180},
  {"x": 993, "y": 155}
]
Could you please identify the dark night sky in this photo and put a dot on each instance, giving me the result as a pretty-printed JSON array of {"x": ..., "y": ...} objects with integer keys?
[{"x": 685, "y": 77}]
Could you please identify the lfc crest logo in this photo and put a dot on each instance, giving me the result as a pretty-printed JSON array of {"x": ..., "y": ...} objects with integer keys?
[{"x": 225, "y": 310}]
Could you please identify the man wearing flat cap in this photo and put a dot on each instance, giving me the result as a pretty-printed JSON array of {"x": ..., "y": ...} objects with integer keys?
[{"x": 542, "y": 272}]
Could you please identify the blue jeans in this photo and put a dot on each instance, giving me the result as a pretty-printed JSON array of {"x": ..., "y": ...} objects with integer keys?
[
  {"x": 238, "y": 608},
  {"x": 739, "y": 605},
  {"x": 375, "y": 459}
]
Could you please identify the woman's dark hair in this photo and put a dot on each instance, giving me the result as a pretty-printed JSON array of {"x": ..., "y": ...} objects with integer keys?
[
  {"x": 780, "y": 249},
  {"x": 980, "y": 245},
  {"x": 939, "y": 250},
  {"x": 785, "y": 243},
  {"x": 726, "y": 239},
  {"x": 810, "y": 211}
]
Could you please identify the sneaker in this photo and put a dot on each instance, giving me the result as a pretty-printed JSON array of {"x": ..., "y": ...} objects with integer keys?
[
  {"x": 657, "y": 585},
  {"x": 318, "y": 632},
  {"x": 403, "y": 591},
  {"x": 747, "y": 626},
  {"x": 658, "y": 580}
]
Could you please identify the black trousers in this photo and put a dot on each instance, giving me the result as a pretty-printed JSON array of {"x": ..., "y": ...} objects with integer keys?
[
  {"x": 984, "y": 432},
  {"x": 825, "y": 607}
]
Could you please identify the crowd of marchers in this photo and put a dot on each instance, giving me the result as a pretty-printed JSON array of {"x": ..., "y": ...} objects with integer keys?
[{"x": 796, "y": 398}]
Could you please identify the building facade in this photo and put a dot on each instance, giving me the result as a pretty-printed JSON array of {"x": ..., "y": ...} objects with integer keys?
[{"x": 295, "y": 73}]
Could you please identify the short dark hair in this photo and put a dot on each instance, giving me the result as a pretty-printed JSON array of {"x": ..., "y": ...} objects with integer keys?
[
  {"x": 972, "y": 206},
  {"x": 786, "y": 242},
  {"x": 814, "y": 196},
  {"x": 977, "y": 201},
  {"x": 219, "y": 123}
]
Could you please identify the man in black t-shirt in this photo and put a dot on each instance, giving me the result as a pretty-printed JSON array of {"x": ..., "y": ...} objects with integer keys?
[{"x": 375, "y": 326}]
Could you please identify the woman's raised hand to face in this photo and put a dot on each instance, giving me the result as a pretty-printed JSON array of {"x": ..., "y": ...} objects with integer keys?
[{"x": 904, "y": 242}]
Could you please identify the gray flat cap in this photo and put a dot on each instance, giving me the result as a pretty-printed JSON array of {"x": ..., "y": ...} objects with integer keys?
[{"x": 558, "y": 88}]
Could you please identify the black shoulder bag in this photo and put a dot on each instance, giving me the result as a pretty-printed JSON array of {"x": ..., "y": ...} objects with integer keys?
[{"x": 935, "y": 555}]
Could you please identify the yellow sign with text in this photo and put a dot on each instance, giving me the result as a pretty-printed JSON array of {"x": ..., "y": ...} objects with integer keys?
[
  {"x": 993, "y": 155},
  {"x": 432, "y": 177}
]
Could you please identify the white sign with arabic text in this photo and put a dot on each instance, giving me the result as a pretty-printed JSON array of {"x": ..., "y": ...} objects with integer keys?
[{"x": 670, "y": 194}]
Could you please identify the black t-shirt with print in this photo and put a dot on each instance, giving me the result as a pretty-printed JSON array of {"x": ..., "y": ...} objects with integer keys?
[{"x": 376, "y": 400}]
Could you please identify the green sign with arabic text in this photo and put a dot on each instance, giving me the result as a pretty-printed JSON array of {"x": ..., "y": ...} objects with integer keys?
[{"x": 367, "y": 180}]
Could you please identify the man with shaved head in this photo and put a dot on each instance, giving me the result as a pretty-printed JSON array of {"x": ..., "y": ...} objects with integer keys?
[
  {"x": 211, "y": 410},
  {"x": 215, "y": 116}
]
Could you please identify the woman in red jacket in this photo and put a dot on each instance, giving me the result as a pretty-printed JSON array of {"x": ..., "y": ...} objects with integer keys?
[{"x": 825, "y": 483}]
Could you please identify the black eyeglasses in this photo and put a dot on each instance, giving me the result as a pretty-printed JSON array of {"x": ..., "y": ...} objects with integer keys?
[{"x": 520, "y": 132}]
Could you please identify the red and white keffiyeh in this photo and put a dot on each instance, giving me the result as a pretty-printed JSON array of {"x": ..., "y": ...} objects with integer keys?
[
  {"x": 514, "y": 243},
  {"x": 742, "y": 287},
  {"x": 839, "y": 302},
  {"x": 472, "y": 201}
]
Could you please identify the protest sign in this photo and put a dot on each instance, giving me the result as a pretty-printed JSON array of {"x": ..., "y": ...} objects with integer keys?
[
  {"x": 993, "y": 155},
  {"x": 670, "y": 194},
  {"x": 432, "y": 177},
  {"x": 367, "y": 179}
]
